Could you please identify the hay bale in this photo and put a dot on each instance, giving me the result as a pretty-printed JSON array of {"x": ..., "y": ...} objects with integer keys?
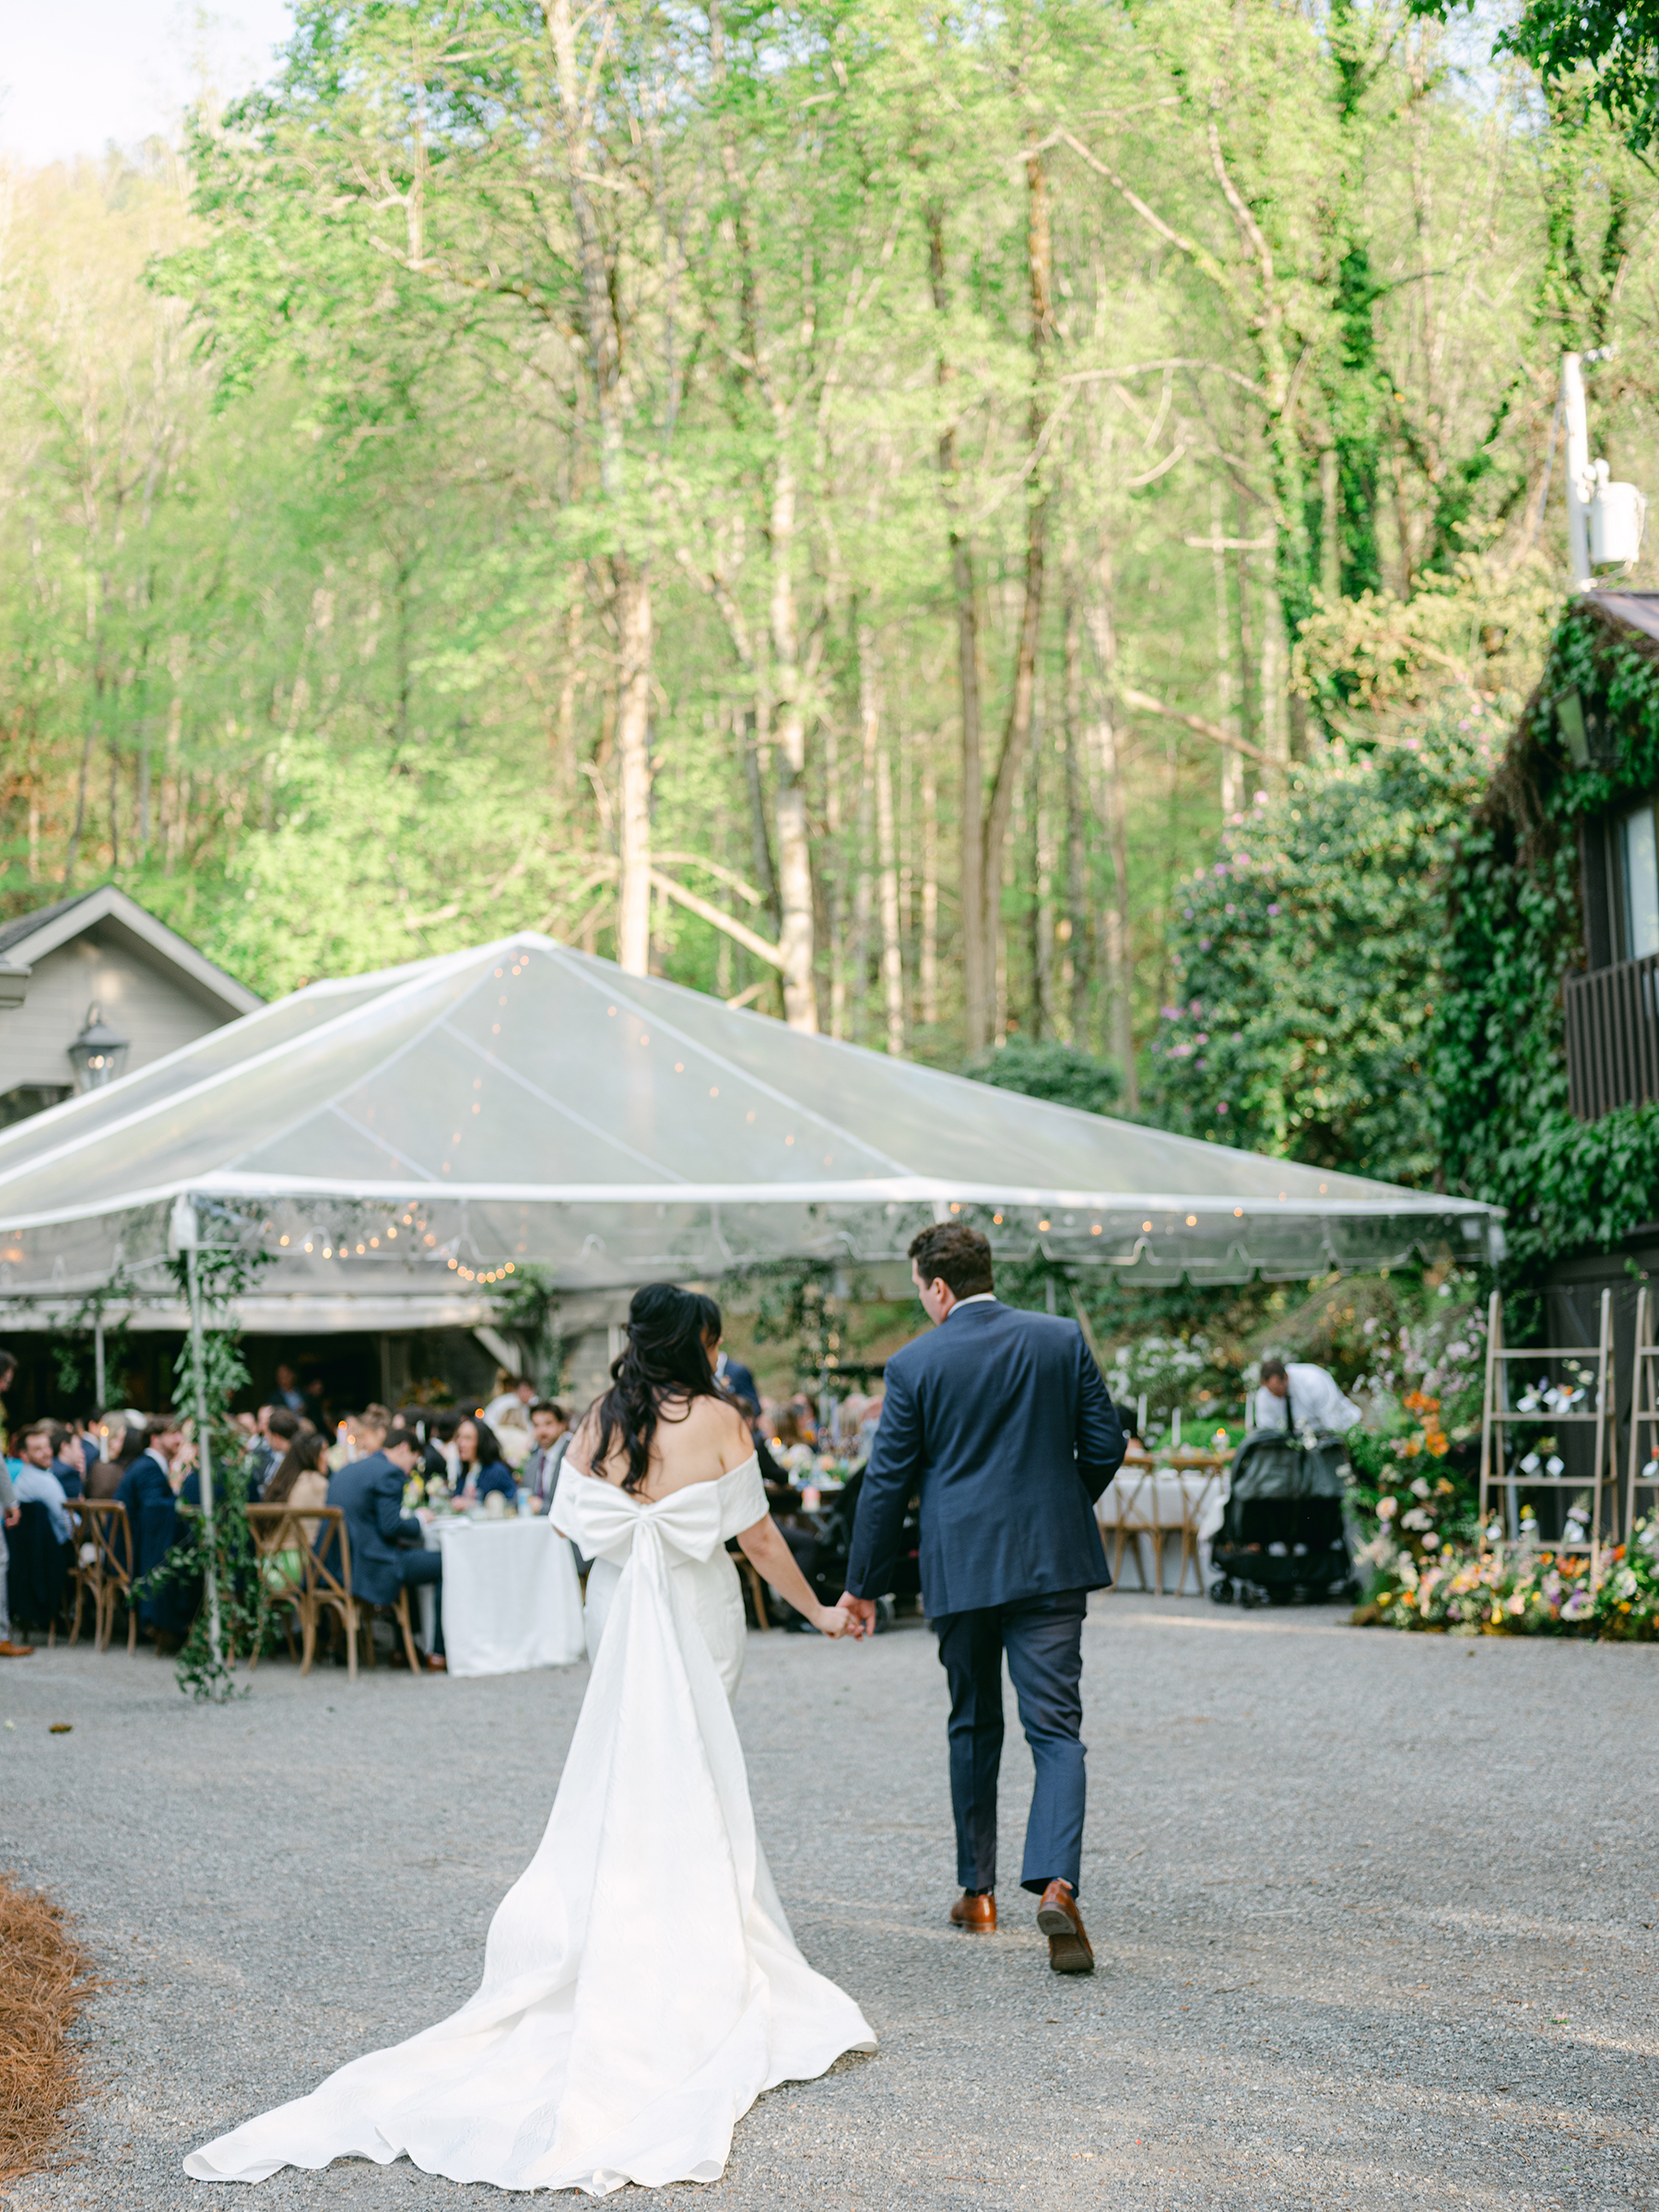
[{"x": 45, "y": 1982}]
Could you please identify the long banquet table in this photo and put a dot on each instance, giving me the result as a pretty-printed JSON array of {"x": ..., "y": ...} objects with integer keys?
[{"x": 510, "y": 1597}]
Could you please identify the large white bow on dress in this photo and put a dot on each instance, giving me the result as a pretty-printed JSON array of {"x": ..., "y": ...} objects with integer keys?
[{"x": 612, "y": 1522}]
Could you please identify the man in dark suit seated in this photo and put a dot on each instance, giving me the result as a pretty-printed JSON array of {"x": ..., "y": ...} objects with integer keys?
[
  {"x": 387, "y": 1554},
  {"x": 147, "y": 1494},
  {"x": 1000, "y": 1422}
]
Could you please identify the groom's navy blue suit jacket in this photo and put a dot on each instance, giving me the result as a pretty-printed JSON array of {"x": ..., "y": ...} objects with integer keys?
[{"x": 999, "y": 1418}]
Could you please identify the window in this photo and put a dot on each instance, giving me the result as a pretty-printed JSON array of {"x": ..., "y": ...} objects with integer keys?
[
  {"x": 1639, "y": 858},
  {"x": 24, "y": 1098}
]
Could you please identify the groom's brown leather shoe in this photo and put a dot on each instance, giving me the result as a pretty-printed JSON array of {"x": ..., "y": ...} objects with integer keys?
[
  {"x": 977, "y": 1915},
  {"x": 1058, "y": 1917}
]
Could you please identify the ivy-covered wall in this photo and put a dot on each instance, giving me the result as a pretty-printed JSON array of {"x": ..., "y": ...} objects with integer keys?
[{"x": 1515, "y": 929}]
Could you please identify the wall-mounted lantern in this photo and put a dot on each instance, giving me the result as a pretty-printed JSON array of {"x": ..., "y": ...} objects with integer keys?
[{"x": 99, "y": 1053}]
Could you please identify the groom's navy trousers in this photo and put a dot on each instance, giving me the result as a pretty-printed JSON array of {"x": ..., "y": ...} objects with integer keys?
[
  {"x": 999, "y": 1424},
  {"x": 1043, "y": 1640}
]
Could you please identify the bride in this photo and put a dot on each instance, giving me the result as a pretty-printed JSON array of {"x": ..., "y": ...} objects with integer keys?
[{"x": 641, "y": 1984}]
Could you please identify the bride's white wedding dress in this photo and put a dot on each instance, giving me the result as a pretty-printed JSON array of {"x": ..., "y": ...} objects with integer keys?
[{"x": 640, "y": 1983}]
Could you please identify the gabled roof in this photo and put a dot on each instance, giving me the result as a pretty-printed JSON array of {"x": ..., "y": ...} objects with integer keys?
[
  {"x": 30, "y": 938},
  {"x": 526, "y": 1104}
]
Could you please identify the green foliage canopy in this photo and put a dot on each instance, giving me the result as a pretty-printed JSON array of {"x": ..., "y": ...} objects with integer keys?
[
  {"x": 1306, "y": 960},
  {"x": 1046, "y": 1069}
]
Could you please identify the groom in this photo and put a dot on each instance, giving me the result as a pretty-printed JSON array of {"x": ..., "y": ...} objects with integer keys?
[{"x": 999, "y": 1418}]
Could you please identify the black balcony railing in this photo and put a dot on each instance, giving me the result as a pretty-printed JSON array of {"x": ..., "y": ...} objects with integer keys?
[{"x": 1612, "y": 1037}]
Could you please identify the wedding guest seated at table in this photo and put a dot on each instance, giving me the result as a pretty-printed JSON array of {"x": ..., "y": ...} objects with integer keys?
[
  {"x": 439, "y": 1461},
  {"x": 147, "y": 1492},
  {"x": 483, "y": 1468},
  {"x": 513, "y": 1398},
  {"x": 33, "y": 1482},
  {"x": 549, "y": 1424},
  {"x": 514, "y": 1436},
  {"x": 89, "y": 1429},
  {"x": 301, "y": 1481},
  {"x": 387, "y": 1546},
  {"x": 302, "y": 1478},
  {"x": 70, "y": 1459},
  {"x": 126, "y": 1439},
  {"x": 277, "y": 1429}
]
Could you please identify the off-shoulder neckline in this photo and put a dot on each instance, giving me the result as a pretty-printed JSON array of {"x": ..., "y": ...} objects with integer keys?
[{"x": 709, "y": 1482}]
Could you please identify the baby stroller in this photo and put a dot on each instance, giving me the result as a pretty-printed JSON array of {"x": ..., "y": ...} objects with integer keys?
[{"x": 1282, "y": 1532}]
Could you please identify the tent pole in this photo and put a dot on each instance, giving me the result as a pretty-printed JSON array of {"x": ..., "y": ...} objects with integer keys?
[
  {"x": 98, "y": 1363},
  {"x": 198, "y": 1373}
]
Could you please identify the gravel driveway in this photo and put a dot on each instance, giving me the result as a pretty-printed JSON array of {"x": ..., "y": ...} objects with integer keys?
[{"x": 1374, "y": 1915}]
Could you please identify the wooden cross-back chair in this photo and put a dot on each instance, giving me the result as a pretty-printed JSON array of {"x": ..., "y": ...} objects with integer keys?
[
  {"x": 401, "y": 1620},
  {"x": 330, "y": 1590},
  {"x": 330, "y": 1586},
  {"x": 100, "y": 1525},
  {"x": 1135, "y": 1497},
  {"x": 282, "y": 1547}
]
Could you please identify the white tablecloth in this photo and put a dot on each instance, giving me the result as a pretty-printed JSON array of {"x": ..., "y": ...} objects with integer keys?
[
  {"x": 1153, "y": 1504},
  {"x": 511, "y": 1597}
]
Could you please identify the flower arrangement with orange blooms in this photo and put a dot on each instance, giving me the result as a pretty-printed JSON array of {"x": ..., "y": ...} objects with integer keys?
[
  {"x": 1429, "y": 1437},
  {"x": 1517, "y": 1590}
]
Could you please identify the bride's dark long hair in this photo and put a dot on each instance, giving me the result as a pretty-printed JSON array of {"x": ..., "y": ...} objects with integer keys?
[{"x": 664, "y": 1359}]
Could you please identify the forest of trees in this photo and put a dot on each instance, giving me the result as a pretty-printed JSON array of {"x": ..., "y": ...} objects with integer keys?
[{"x": 844, "y": 505}]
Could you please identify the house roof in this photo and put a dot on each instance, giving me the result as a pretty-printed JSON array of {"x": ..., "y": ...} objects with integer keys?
[
  {"x": 24, "y": 926},
  {"x": 1636, "y": 610},
  {"x": 526, "y": 1105},
  {"x": 30, "y": 938}
]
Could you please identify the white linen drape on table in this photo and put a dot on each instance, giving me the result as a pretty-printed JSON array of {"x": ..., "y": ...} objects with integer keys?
[
  {"x": 511, "y": 1599},
  {"x": 641, "y": 1984}
]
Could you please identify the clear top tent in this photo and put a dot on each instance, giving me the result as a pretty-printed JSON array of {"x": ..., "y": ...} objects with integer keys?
[{"x": 401, "y": 1144}]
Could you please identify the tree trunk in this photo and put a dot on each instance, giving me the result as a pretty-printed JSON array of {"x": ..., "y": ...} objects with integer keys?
[
  {"x": 863, "y": 907},
  {"x": 73, "y": 854},
  {"x": 1276, "y": 734},
  {"x": 766, "y": 876},
  {"x": 892, "y": 952},
  {"x": 1016, "y": 734},
  {"x": 1110, "y": 805},
  {"x": 976, "y": 979},
  {"x": 929, "y": 963},
  {"x": 569, "y": 678},
  {"x": 794, "y": 846},
  {"x": 1232, "y": 763},
  {"x": 1077, "y": 973},
  {"x": 633, "y": 747},
  {"x": 630, "y": 587},
  {"x": 829, "y": 883}
]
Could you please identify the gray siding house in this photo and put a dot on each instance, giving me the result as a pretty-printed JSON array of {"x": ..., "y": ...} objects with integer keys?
[{"x": 98, "y": 968}]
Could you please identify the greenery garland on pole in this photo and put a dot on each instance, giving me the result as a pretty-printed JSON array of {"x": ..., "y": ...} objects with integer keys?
[{"x": 215, "y": 1545}]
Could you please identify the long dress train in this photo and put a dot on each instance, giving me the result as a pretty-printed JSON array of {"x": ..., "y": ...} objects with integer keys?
[{"x": 640, "y": 1983}]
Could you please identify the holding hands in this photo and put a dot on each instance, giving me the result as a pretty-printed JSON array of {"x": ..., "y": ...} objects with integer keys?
[{"x": 839, "y": 1619}]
